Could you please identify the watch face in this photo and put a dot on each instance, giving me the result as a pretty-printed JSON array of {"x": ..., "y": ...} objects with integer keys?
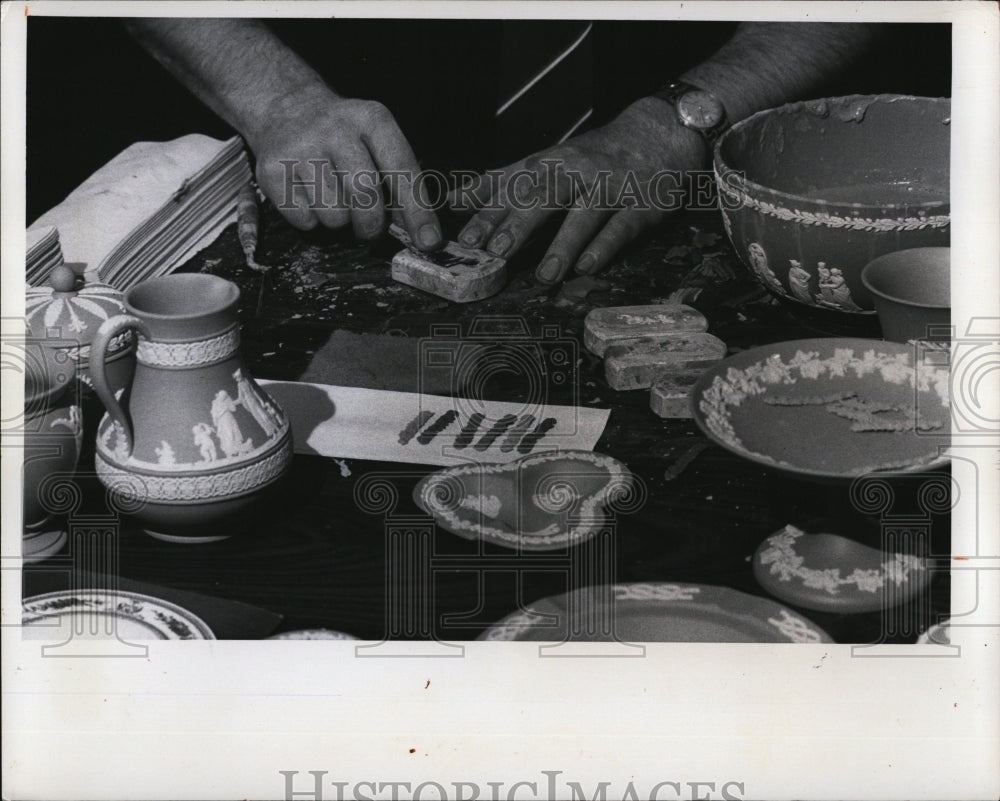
[{"x": 701, "y": 110}]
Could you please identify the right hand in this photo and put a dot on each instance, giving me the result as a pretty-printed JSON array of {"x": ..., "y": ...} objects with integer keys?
[
  {"x": 321, "y": 159},
  {"x": 608, "y": 180}
]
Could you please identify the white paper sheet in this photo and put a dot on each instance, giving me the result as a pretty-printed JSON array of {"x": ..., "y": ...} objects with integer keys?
[
  {"x": 150, "y": 208},
  {"x": 347, "y": 422}
]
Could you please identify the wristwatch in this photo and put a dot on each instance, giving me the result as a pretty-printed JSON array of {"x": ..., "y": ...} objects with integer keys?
[{"x": 697, "y": 109}]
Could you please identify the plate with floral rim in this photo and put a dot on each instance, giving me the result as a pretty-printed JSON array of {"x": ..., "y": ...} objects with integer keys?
[
  {"x": 656, "y": 612},
  {"x": 104, "y": 614},
  {"x": 830, "y": 409}
]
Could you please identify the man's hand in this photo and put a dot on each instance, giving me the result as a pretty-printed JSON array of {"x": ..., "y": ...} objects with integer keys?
[
  {"x": 321, "y": 158},
  {"x": 614, "y": 182},
  {"x": 325, "y": 159}
]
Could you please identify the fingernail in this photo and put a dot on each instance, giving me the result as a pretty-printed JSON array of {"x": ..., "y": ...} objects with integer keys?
[
  {"x": 549, "y": 269},
  {"x": 428, "y": 236},
  {"x": 586, "y": 263},
  {"x": 471, "y": 236},
  {"x": 500, "y": 244}
]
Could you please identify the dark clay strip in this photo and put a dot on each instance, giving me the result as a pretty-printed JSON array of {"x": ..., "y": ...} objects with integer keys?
[
  {"x": 464, "y": 438},
  {"x": 414, "y": 426},
  {"x": 518, "y": 431},
  {"x": 685, "y": 459},
  {"x": 437, "y": 426},
  {"x": 536, "y": 436},
  {"x": 496, "y": 432}
]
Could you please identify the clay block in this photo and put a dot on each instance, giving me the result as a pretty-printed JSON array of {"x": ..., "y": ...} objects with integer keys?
[
  {"x": 670, "y": 395},
  {"x": 620, "y": 325},
  {"x": 455, "y": 272},
  {"x": 638, "y": 364}
]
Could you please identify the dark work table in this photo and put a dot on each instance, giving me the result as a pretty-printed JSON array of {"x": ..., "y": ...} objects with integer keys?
[{"x": 315, "y": 556}]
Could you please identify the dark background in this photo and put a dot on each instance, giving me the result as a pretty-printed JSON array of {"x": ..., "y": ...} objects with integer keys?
[{"x": 91, "y": 91}]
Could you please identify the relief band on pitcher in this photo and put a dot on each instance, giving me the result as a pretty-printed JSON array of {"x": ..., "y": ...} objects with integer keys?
[
  {"x": 201, "y": 487},
  {"x": 189, "y": 354}
]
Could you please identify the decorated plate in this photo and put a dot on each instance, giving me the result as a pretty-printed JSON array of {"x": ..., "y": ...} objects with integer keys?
[
  {"x": 312, "y": 634},
  {"x": 542, "y": 502},
  {"x": 829, "y": 408},
  {"x": 101, "y": 614},
  {"x": 657, "y": 612}
]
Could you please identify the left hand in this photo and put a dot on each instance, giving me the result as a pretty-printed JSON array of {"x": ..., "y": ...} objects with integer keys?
[{"x": 613, "y": 182}]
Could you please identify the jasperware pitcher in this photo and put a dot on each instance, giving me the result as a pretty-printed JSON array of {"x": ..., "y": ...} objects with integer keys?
[{"x": 193, "y": 439}]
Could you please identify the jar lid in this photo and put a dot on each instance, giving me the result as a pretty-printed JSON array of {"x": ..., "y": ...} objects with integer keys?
[{"x": 71, "y": 310}]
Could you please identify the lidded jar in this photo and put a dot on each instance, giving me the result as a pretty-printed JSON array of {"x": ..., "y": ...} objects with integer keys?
[
  {"x": 66, "y": 315},
  {"x": 52, "y": 433}
]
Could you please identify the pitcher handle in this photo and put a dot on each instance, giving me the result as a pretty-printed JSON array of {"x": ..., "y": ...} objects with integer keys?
[{"x": 109, "y": 329}]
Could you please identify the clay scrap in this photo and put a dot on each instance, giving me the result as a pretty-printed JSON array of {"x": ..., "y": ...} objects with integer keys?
[{"x": 670, "y": 395}]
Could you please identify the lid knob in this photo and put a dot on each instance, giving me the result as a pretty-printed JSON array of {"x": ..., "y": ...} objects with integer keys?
[{"x": 63, "y": 279}]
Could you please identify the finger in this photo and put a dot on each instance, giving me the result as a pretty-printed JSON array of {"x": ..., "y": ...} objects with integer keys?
[
  {"x": 623, "y": 227},
  {"x": 516, "y": 228},
  {"x": 579, "y": 228},
  {"x": 480, "y": 228},
  {"x": 409, "y": 191},
  {"x": 495, "y": 193},
  {"x": 415, "y": 199},
  {"x": 362, "y": 188},
  {"x": 532, "y": 203},
  {"x": 289, "y": 196},
  {"x": 334, "y": 211}
]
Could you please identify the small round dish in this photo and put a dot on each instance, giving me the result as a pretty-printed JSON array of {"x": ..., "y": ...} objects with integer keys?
[{"x": 830, "y": 573}]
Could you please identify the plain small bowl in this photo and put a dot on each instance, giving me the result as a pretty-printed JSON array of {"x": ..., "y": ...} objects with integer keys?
[
  {"x": 912, "y": 293},
  {"x": 811, "y": 192}
]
